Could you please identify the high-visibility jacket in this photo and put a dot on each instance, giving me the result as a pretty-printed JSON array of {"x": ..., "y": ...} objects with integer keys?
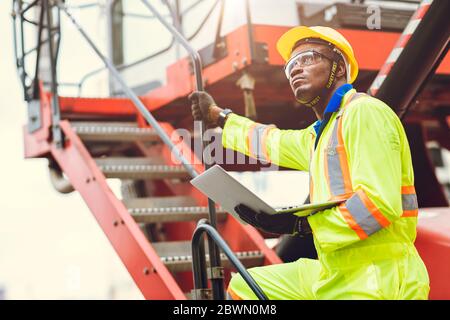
[{"x": 362, "y": 156}]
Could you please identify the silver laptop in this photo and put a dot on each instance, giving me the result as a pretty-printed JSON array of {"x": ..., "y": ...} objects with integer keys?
[{"x": 224, "y": 189}]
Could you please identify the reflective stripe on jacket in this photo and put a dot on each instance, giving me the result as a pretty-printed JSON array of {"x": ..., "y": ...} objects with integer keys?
[{"x": 362, "y": 156}]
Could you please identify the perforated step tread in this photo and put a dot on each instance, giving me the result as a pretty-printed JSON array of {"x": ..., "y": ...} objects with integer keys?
[
  {"x": 177, "y": 256},
  {"x": 140, "y": 168},
  {"x": 113, "y": 131},
  {"x": 173, "y": 214},
  {"x": 168, "y": 209}
]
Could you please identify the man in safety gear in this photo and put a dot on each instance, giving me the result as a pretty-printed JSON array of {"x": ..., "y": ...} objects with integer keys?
[{"x": 357, "y": 151}]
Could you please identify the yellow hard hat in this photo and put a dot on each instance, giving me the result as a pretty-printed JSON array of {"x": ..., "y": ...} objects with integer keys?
[{"x": 287, "y": 41}]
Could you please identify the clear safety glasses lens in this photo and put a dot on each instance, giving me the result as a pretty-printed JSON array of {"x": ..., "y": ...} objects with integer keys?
[{"x": 303, "y": 59}]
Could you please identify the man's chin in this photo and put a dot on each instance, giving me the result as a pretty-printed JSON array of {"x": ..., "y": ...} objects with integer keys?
[{"x": 301, "y": 98}]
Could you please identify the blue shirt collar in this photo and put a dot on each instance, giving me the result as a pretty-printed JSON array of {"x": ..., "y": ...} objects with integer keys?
[{"x": 334, "y": 103}]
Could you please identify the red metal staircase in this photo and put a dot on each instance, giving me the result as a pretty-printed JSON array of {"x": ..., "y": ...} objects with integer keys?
[{"x": 151, "y": 232}]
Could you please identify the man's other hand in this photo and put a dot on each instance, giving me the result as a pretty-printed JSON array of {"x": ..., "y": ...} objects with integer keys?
[
  {"x": 204, "y": 108},
  {"x": 279, "y": 223}
]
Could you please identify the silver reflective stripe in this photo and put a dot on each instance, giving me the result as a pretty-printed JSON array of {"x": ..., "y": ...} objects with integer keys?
[
  {"x": 361, "y": 215},
  {"x": 409, "y": 202},
  {"x": 335, "y": 175},
  {"x": 256, "y": 141}
]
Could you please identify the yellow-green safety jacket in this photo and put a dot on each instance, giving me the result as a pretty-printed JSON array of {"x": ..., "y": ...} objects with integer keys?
[{"x": 362, "y": 156}]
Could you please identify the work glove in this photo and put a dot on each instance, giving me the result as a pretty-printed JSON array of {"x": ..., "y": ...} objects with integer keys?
[
  {"x": 202, "y": 103},
  {"x": 279, "y": 223}
]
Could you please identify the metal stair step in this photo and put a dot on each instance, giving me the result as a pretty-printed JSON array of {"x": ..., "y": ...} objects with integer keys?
[
  {"x": 168, "y": 209},
  {"x": 177, "y": 256},
  {"x": 173, "y": 214},
  {"x": 158, "y": 202},
  {"x": 114, "y": 131},
  {"x": 140, "y": 168}
]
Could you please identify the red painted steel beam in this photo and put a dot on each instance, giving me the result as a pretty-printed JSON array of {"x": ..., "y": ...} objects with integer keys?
[
  {"x": 433, "y": 244},
  {"x": 98, "y": 106},
  {"x": 371, "y": 47}
]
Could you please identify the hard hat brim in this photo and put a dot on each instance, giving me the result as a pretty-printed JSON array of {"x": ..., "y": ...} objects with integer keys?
[{"x": 287, "y": 41}]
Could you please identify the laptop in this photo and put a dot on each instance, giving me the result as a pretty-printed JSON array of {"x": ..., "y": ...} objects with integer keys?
[{"x": 224, "y": 189}]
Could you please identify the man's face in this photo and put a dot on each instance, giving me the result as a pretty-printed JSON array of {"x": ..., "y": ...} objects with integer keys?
[{"x": 307, "y": 82}]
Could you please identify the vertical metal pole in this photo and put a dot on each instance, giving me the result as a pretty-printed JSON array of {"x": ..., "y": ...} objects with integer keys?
[
  {"x": 214, "y": 254},
  {"x": 38, "y": 54},
  {"x": 22, "y": 48},
  {"x": 58, "y": 34},
  {"x": 56, "y": 130},
  {"x": 218, "y": 39},
  {"x": 178, "y": 24},
  {"x": 114, "y": 16},
  {"x": 250, "y": 29}
]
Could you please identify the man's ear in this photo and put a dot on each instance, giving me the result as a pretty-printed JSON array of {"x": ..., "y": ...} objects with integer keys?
[{"x": 341, "y": 70}]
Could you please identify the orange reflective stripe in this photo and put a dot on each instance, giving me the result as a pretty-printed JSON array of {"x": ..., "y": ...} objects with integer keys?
[
  {"x": 337, "y": 172},
  {"x": 351, "y": 222},
  {"x": 408, "y": 189},
  {"x": 257, "y": 136},
  {"x": 249, "y": 139},
  {"x": 264, "y": 145},
  {"x": 332, "y": 166},
  {"x": 373, "y": 209},
  {"x": 409, "y": 202},
  {"x": 353, "y": 95},
  {"x": 311, "y": 182},
  {"x": 327, "y": 175},
  {"x": 361, "y": 214},
  {"x": 410, "y": 213},
  {"x": 344, "y": 196},
  {"x": 233, "y": 295},
  {"x": 343, "y": 160}
]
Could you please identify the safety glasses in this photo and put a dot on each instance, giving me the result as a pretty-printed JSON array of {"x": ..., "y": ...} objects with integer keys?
[{"x": 303, "y": 59}]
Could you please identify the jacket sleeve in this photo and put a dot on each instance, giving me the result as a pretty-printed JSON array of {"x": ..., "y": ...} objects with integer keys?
[
  {"x": 373, "y": 143},
  {"x": 287, "y": 148}
]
